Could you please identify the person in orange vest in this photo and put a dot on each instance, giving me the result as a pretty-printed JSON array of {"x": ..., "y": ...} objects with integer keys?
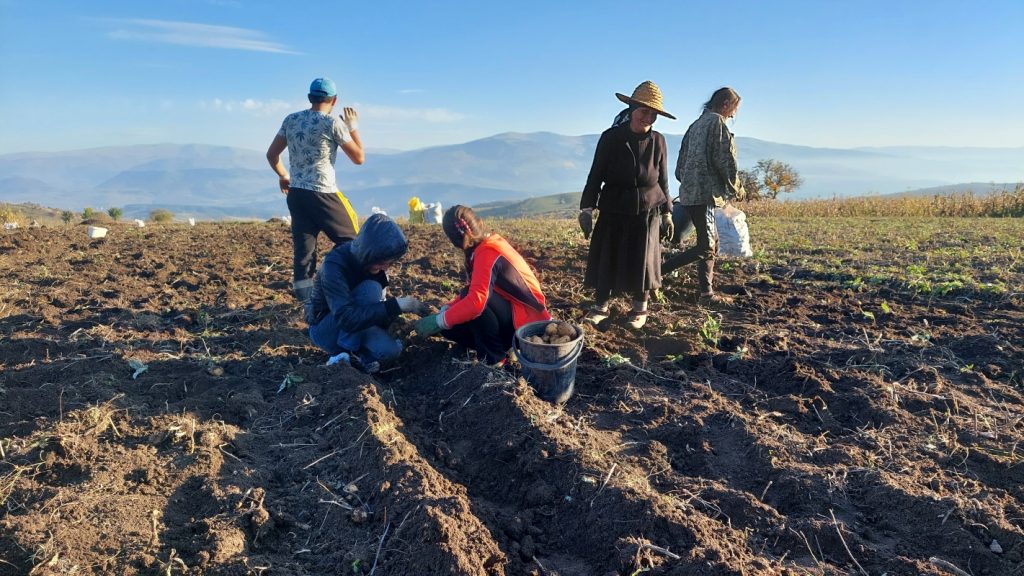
[{"x": 502, "y": 292}]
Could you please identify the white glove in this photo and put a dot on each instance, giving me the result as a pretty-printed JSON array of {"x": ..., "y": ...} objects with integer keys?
[
  {"x": 350, "y": 118},
  {"x": 408, "y": 304},
  {"x": 339, "y": 358}
]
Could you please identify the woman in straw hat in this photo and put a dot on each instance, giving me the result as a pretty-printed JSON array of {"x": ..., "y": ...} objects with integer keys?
[
  {"x": 708, "y": 177},
  {"x": 628, "y": 185}
]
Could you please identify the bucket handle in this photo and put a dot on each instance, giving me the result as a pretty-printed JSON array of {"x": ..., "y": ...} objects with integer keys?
[{"x": 569, "y": 359}]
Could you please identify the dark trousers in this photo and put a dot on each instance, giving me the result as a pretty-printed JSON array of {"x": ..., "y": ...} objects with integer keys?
[
  {"x": 703, "y": 252},
  {"x": 313, "y": 213},
  {"x": 490, "y": 334}
]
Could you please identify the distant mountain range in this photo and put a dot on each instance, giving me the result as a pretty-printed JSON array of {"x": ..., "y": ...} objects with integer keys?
[{"x": 222, "y": 182}]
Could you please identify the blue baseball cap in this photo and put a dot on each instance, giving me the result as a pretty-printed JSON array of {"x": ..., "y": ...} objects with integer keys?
[{"x": 323, "y": 87}]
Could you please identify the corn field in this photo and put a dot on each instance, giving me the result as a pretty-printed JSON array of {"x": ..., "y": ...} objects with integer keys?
[{"x": 1003, "y": 204}]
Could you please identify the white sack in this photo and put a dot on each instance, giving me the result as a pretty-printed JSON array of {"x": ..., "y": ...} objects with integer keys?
[{"x": 733, "y": 235}]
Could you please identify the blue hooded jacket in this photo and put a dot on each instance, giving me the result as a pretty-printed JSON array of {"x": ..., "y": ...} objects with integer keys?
[{"x": 344, "y": 268}]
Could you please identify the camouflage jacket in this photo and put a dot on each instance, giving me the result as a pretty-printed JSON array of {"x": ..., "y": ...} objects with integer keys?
[{"x": 706, "y": 168}]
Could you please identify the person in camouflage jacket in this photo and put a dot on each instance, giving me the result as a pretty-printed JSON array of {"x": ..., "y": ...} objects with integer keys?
[{"x": 708, "y": 177}]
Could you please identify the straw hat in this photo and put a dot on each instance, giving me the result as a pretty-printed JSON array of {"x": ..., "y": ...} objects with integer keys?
[{"x": 648, "y": 95}]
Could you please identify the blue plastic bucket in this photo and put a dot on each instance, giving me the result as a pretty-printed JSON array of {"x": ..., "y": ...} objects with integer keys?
[{"x": 549, "y": 368}]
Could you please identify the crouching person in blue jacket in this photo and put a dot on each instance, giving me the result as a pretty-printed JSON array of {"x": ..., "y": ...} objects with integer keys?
[{"x": 348, "y": 311}]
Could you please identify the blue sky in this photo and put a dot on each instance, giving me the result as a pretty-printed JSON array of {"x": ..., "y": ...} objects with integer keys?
[{"x": 818, "y": 73}]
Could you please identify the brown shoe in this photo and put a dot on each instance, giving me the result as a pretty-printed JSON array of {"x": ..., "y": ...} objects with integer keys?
[
  {"x": 714, "y": 299},
  {"x": 637, "y": 320},
  {"x": 596, "y": 315}
]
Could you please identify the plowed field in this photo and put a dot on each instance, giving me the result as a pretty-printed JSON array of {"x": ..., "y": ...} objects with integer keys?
[{"x": 858, "y": 411}]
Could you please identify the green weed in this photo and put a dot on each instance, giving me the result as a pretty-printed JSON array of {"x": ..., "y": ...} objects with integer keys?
[{"x": 711, "y": 330}]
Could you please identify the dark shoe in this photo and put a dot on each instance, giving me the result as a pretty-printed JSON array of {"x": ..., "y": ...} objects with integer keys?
[
  {"x": 714, "y": 299},
  {"x": 371, "y": 367}
]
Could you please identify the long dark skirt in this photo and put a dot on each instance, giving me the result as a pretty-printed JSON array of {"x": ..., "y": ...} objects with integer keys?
[{"x": 625, "y": 255}]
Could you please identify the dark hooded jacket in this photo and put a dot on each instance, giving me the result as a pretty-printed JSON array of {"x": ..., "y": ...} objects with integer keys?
[{"x": 344, "y": 268}]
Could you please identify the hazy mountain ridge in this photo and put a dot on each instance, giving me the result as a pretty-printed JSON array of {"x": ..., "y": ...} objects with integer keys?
[{"x": 212, "y": 181}]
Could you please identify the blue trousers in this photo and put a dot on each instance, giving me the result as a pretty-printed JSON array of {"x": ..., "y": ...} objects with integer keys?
[{"x": 370, "y": 344}]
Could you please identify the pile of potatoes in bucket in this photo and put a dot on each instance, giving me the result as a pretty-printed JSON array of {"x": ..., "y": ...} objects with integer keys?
[{"x": 555, "y": 333}]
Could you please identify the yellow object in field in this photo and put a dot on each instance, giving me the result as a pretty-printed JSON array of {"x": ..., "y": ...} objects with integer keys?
[{"x": 416, "y": 210}]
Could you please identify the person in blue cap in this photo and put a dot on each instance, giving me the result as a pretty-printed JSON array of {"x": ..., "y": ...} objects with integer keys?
[
  {"x": 312, "y": 138},
  {"x": 348, "y": 311}
]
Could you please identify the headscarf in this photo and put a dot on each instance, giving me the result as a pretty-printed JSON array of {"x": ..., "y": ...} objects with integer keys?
[{"x": 624, "y": 116}]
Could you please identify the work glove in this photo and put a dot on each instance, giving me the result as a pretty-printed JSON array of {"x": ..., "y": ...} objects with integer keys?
[
  {"x": 667, "y": 227},
  {"x": 429, "y": 325},
  {"x": 350, "y": 118},
  {"x": 586, "y": 219},
  {"x": 409, "y": 304}
]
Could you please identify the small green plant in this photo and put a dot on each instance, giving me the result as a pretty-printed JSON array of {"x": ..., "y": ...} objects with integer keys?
[
  {"x": 115, "y": 213},
  {"x": 660, "y": 297},
  {"x": 856, "y": 284},
  {"x": 711, "y": 330},
  {"x": 66, "y": 216},
  {"x": 87, "y": 213},
  {"x": 738, "y": 354},
  {"x": 290, "y": 380},
  {"x": 921, "y": 337},
  {"x": 137, "y": 366},
  {"x": 885, "y": 308},
  {"x": 920, "y": 286},
  {"x": 615, "y": 360}
]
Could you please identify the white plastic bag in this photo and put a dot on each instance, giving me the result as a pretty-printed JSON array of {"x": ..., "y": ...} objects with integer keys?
[
  {"x": 733, "y": 235},
  {"x": 435, "y": 213}
]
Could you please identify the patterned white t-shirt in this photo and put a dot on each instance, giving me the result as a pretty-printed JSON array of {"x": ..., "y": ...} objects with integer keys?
[{"x": 313, "y": 139}]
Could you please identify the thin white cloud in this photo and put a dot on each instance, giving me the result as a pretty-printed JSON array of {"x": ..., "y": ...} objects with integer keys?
[
  {"x": 411, "y": 91},
  {"x": 250, "y": 106},
  {"x": 194, "y": 34},
  {"x": 392, "y": 113}
]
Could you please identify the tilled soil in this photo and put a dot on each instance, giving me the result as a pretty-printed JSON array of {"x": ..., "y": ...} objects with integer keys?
[{"x": 162, "y": 412}]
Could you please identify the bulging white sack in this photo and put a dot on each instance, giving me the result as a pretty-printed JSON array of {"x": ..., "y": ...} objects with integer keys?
[{"x": 733, "y": 235}]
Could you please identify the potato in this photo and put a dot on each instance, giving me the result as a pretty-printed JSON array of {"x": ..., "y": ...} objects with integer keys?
[
  {"x": 551, "y": 329},
  {"x": 535, "y": 339},
  {"x": 565, "y": 329}
]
